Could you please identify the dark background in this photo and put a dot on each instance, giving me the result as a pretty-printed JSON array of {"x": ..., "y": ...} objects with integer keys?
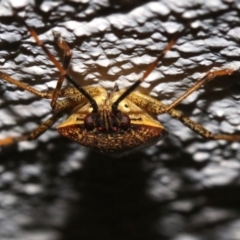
[{"x": 183, "y": 188}]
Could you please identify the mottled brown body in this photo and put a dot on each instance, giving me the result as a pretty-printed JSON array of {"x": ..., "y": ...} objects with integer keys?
[{"x": 141, "y": 130}]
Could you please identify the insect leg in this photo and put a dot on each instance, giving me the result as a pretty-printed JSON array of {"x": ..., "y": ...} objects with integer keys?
[
  {"x": 61, "y": 108},
  {"x": 199, "y": 129},
  {"x": 67, "y": 55},
  {"x": 207, "y": 78},
  {"x": 34, "y": 134},
  {"x": 23, "y": 86},
  {"x": 62, "y": 70},
  {"x": 48, "y": 94}
]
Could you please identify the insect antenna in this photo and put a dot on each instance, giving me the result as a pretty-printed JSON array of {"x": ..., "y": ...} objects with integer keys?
[
  {"x": 150, "y": 68},
  {"x": 58, "y": 64}
]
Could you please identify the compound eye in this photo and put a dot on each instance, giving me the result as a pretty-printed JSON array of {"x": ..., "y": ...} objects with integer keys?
[
  {"x": 125, "y": 121},
  {"x": 89, "y": 122}
]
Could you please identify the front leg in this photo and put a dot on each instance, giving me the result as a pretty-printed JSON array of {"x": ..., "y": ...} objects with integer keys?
[
  {"x": 57, "y": 64},
  {"x": 67, "y": 55}
]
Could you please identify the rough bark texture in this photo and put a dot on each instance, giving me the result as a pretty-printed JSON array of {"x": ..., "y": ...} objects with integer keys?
[{"x": 185, "y": 187}]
